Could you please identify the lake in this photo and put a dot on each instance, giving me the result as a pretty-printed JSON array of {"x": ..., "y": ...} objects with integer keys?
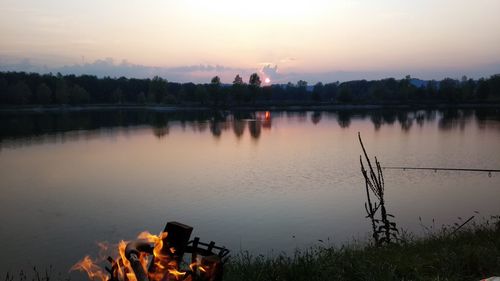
[{"x": 265, "y": 182}]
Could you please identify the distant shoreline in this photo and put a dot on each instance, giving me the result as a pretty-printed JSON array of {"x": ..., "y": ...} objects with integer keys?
[{"x": 167, "y": 108}]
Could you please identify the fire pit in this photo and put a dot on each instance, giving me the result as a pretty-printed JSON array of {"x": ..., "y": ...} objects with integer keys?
[{"x": 168, "y": 256}]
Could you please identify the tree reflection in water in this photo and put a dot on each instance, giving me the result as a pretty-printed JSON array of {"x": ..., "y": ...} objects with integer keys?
[{"x": 32, "y": 128}]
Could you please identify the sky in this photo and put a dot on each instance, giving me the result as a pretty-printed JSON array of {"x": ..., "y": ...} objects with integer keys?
[{"x": 283, "y": 40}]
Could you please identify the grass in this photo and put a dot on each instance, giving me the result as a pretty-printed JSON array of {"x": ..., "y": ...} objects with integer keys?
[
  {"x": 36, "y": 274},
  {"x": 469, "y": 254},
  {"x": 472, "y": 253}
]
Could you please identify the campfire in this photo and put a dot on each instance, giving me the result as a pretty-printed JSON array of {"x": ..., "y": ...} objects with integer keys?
[{"x": 164, "y": 257}]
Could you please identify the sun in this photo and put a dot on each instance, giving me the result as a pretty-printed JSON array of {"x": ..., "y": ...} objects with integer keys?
[{"x": 267, "y": 80}]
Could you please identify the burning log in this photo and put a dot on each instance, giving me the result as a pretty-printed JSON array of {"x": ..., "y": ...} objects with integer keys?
[
  {"x": 133, "y": 252},
  {"x": 160, "y": 258}
]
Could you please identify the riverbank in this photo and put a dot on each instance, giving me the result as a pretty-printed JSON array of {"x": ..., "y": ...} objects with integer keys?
[
  {"x": 310, "y": 107},
  {"x": 471, "y": 254}
]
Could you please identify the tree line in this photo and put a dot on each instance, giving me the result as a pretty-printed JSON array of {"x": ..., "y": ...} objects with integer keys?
[{"x": 20, "y": 88}]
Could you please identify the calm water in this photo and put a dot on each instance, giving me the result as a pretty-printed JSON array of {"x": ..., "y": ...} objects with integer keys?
[{"x": 244, "y": 180}]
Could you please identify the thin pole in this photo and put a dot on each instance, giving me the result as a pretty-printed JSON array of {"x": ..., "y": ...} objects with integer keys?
[
  {"x": 456, "y": 229},
  {"x": 443, "y": 169}
]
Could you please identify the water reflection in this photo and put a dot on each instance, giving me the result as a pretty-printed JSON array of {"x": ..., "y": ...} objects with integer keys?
[
  {"x": 239, "y": 127},
  {"x": 453, "y": 119},
  {"x": 344, "y": 119},
  {"x": 316, "y": 117},
  {"x": 254, "y": 128},
  {"x": 30, "y": 128}
]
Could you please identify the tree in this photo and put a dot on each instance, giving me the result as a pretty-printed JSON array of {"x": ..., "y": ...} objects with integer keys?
[
  {"x": 238, "y": 89},
  {"x": 61, "y": 94},
  {"x": 182, "y": 95},
  {"x": 317, "y": 91},
  {"x": 157, "y": 90},
  {"x": 494, "y": 86},
  {"x": 151, "y": 97},
  {"x": 116, "y": 96},
  {"x": 267, "y": 92},
  {"x": 448, "y": 89},
  {"x": 169, "y": 99},
  {"x": 78, "y": 95},
  {"x": 201, "y": 94},
  {"x": 43, "y": 94},
  {"x": 330, "y": 91},
  {"x": 301, "y": 89},
  {"x": 431, "y": 89},
  {"x": 141, "y": 98},
  {"x": 19, "y": 93},
  {"x": 224, "y": 94},
  {"x": 290, "y": 91},
  {"x": 406, "y": 89},
  {"x": 188, "y": 93},
  {"x": 378, "y": 93},
  {"x": 215, "y": 90},
  {"x": 254, "y": 83},
  {"x": 467, "y": 89},
  {"x": 238, "y": 80},
  {"x": 483, "y": 90},
  {"x": 4, "y": 86},
  {"x": 345, "y": 94},
  {"x": 301, "y": 84},
  {"x": 215, "y": 81},
  {"x": 22, "y": 88},
  {"x": 254, "y": 80}
]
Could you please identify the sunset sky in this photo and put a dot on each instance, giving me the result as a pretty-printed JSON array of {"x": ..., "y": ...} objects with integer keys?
[{"x": 189, "y": 40}]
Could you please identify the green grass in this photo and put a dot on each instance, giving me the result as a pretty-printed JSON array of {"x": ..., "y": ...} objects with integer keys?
[{"x": 469, "y": 254}]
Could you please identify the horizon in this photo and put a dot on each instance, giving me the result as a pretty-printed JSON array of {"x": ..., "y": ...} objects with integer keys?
[
  {"x": 285, "y": 41},
  {"x": 416, "y": 81},
  {"x": 107, "y": 68}
]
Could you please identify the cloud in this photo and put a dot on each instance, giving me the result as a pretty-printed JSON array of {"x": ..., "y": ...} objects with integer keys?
[
  {"x": 271, "y": 72},
  {"x": 108, "y": 67}
]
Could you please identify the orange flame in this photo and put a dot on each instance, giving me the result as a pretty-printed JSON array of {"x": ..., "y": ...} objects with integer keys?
[
  {"x": 163, "y": 265},
  {"x": 193, "y": 266},
  {"x": 89, "y": 266},
  {"x": 177, "y": 274}
]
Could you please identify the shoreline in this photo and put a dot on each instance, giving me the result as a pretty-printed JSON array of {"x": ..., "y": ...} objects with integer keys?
[
  {"x": 176, "y": 108},
  {"x": 469, "y": 254}
]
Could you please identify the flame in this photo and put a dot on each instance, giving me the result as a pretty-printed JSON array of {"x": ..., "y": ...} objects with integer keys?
[
  {"x": 160, "y": 266},
  {"x": 193, "y": 266},
  {"x": 93, "y": 271},
  {"x": 177, "y": 274}
]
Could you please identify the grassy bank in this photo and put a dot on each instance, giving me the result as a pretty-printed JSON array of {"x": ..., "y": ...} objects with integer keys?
[{"x": 470, "y": 254}]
